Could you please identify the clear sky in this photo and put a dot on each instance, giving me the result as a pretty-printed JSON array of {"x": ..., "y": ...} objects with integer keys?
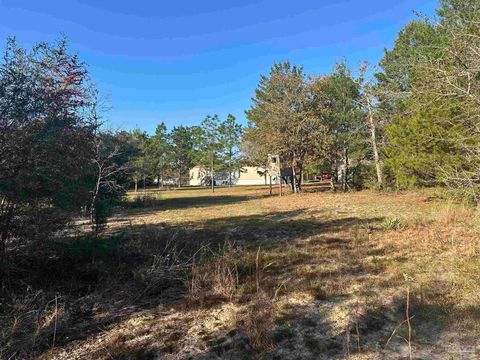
[{"x": 177, "y": 61}]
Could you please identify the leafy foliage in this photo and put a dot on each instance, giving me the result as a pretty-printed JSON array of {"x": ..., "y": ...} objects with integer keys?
[
  {"x": 45, "y": 139},
  {"x": 286, "y": 119},
  {"x": 183, "y": 151},
  {"x": 230, "y": 140},
  {"x": 432, "y": 89}
]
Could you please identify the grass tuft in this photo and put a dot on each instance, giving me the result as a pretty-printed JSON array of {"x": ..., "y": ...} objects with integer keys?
[{"x": 392, "y": 223}]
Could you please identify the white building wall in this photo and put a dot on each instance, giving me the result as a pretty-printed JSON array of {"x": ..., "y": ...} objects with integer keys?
[
  {"x": 251, "y": 181},
  {"x": 195, "y": 182},
  {"x": 197, "y": 174},
  {"x": 249, "y": 176}
]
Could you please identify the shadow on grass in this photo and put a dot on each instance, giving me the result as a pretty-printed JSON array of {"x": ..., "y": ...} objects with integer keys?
[
  {"x": 194, "y": 188},
  {"x": 100, "y": 289},
  {"x": 380, "y": 331},
  {"x": 307, "y": 334},
  {"x": 317, "y": 187},
  {"x": 145, "y": 204}
]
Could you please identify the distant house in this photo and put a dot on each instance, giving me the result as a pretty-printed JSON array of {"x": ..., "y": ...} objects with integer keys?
[
  {"x": 251, "y": 175},
  {"x": 247, "y": 175},
  {"x": 197, "y": 175}
]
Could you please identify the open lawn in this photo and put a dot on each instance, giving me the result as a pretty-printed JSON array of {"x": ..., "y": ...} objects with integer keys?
[{"x": 187, "y": 274}]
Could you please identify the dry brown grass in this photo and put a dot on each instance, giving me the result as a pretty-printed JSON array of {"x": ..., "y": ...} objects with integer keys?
[
  {"x": 257, "y": 321},
  {"x": 314, "y": 275}
]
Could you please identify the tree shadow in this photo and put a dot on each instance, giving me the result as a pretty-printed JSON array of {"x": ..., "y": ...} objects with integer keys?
[
  {"x": 146, "y": 204},
  {"x": 103, "y": 289},
  {"x": 317, "y": 187},
  {"x": 377, "y": 331},
  {"x": 305, "y": 332}
]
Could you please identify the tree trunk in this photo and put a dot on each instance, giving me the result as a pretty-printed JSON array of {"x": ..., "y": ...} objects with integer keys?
[
  {"x": 294, "y": 179},
  {"x": 94, "y": 201},
  {"x": 230, "y": 168},
  {"x": 334, "y": 178},
  {"x": 136, "y": 185},
  {"x": 345, "y": 169},
  {"x": 373, "y": 139},
  {"x": 300, "y": 176},
  {"x": 300, "y": 179},
  {"x": 332, "y": 184},
  {"x": 335, "y": 168},
  {"x": 161, "y": 174},
  {"x": 212, "y": 176}
]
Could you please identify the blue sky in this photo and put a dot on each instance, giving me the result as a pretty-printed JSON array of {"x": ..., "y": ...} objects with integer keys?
[{"x": 177, "y": 61}]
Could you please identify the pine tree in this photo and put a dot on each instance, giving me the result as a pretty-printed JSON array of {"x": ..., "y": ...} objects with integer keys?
[
  {"x": 230, "y": 138},
  {"x": 159, "y": 151},
  {"x": 283, "y": 119},
  {"x": 344, "y": 120},
  {"x": 182, "y": 147},
  {"x": 210, "y": 145}
]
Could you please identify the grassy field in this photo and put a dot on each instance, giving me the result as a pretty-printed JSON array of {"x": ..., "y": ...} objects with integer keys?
[{"x": 187, "y": 274}]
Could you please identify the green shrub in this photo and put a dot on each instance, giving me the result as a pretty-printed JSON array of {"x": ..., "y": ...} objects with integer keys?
[{"x": 392, "y": 223}]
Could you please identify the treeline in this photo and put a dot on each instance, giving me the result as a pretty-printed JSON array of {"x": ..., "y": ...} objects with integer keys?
[
  {"x": 167, "y": 157},
  {"x": 413, "y": 120}
]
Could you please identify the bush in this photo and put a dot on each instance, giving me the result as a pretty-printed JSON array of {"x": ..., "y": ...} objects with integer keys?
[
  {"x": 363, "y": 176},
  {"x": 392, "y": 223}
]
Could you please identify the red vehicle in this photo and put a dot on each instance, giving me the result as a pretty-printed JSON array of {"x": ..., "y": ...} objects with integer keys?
[{"x": 323, "y": 177}]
